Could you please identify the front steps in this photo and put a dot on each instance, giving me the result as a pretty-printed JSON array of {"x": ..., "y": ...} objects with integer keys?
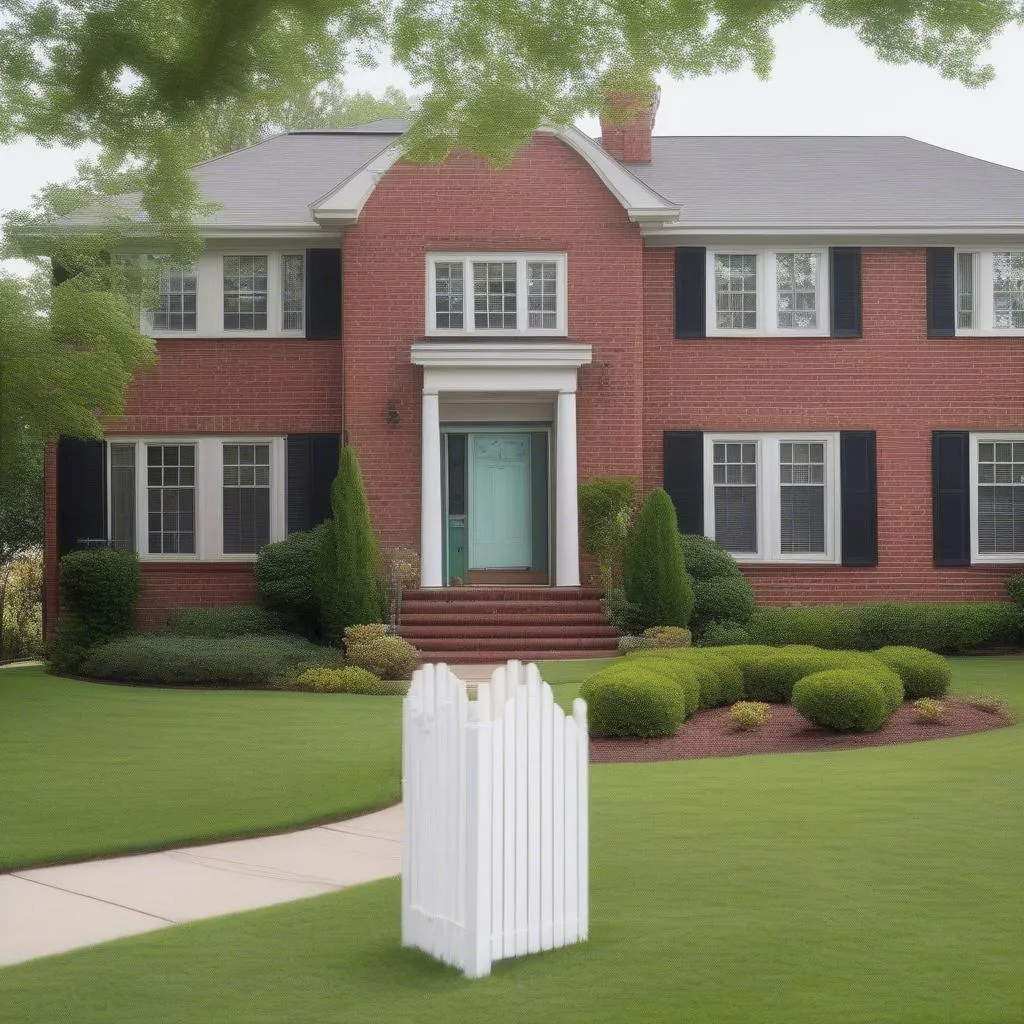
[{"x": 473, "y": 625}]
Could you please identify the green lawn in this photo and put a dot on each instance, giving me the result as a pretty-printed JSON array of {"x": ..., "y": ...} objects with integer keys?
[
  {"x": 866, "y": 887},
  {"x": 88, "y": 770}
]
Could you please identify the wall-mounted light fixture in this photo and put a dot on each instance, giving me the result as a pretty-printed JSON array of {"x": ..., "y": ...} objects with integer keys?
[{"x": 392, "y": 415}]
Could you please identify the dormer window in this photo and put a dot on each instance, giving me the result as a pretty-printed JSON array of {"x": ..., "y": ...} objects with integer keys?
[{"x": 496, "y": 293}]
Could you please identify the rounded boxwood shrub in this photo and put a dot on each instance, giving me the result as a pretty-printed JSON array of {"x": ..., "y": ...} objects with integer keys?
[
  {"x": 389, "y": 657},
  {"x": 750, "y": 714},
  {"x": 730, "y": 676},
  {"x": 724, "y": 634},
  {"x": 721, "y": 599},
  {"x": 683, "y": 674},
  {"x": 666, "y": 636},
  {"x": 923, "y": 673},
  {"x": 364, "y": 634},
  {"x": 284, "y": 578},
  {"x": 641, "y": 703},
  {"x": 842, "y": 699},
  {"x": 68, "y": 645},
  {"x": 338, "y": 680},
  {"x": 706, "y": 560}
]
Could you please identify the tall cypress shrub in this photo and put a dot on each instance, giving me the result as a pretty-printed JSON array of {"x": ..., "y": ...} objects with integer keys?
[
  {"x": 653, "y": 570},
  {"x": 348, "y": 583}
]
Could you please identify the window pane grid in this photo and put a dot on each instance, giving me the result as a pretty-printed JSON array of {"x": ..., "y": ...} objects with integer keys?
[
  {"x": 1008, "y": 290},
  {"x": 176, "y": 300},
  {"x": 293, "y": 292},
  {"x": 797, "y": 284},
  {"x": 542, "y": 295},
  {"x": 170, "y": 473},
  {"x": 1001, "y": 497},
  {"x": 802, "y": 497},
  {"x": 449, "y": 296},
  {"x": 246, "y": 497},
  {"x": 736, "y": 291},
  {"x": 245, "y": 293},
  {"x": 735, "y": 485},
  {"x": 494, "y": 296}
]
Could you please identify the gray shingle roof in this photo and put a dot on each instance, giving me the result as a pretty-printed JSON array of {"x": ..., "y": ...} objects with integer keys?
[
  {"x": 789, "y": 181},
  {"x": 718, "y": 181}
]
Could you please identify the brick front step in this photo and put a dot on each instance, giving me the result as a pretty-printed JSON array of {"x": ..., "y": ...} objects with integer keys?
[
  {"x": 483, "y": 624},
  {"x": 488, "y": 657}
]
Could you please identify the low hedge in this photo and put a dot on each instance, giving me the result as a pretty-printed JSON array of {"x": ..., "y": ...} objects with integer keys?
[
  {"x": 682, "y": 674},
  {"x": 719, "y": 678},
  {"x": 638, "y": 702},
  {"x": 942, "y": 628},
  {"x": 257, "y": 661},
  {"x": 338, "y": 680},
  {"x": 224, "y": 621},
  {"x": 923, "y": 673},
  {"x": 389, "y": 657},
  {"x": 843, "y": 699}
]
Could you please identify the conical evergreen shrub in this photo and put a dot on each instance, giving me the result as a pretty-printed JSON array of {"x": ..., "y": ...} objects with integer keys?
[
  {"x": 348, "y": 582},
  {"x": 653, "y": 570}
]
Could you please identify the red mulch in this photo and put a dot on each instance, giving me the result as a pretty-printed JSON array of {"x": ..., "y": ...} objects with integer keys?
[{"x": 712, "y": 734}]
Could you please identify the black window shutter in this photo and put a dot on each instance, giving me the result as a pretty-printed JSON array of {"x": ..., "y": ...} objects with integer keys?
[
  {"x": 845, "y": 286},
  {"x": 312, "y": 467},
  {"x": 951, "y": 497},
  {"x": 81, "y": 493},
  {"x": 691, "y": 296},
  {"x": 323, "y": 294},
  {"x": 683, "y": 476},
  {"x": 940, "y": 292},
  {"x": 858, "y": 497}
]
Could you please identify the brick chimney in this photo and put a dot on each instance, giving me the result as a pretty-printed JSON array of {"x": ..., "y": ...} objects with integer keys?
[{"x": 626, "y": 124}]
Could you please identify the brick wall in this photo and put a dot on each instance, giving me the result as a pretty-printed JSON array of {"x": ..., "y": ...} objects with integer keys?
[
  {"x": 548, "y": 199},
  {"x": 894, "y": 380}
]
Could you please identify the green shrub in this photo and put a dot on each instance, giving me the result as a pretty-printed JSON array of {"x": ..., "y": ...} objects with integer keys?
[
  {"x": 625, "y": 616},
  {"x": 68, "y": 645},
  {"x": 206, "y": 661},
  {"x": 924, "y": 674},
  {"x": 389, "y": 657},
  {"x": 928, "y": 710},
  {"x": 653, "y": 571},
  {"x": 730, "y": 676},
  {"x": 1015, "y": 588},
  {"x": 706, "y": 560},
  {"x": 831, "y": 627},
  {"x": 101, "y": 589},
  {"x": 666, "y": 636},
  {"x": 843, "y": 699},
  {"x": 225, "y": 620},
  {"x": 21, "y": 605},
  {"x": 284, "y": 577},
  {"x": 750, "y": 714},
  {"x": 722, "y": 599},
  {"x": 724, "y": 634},
  {"x": 724, "y": 688},
  {"x": 681, "y": 673},
  {"x": 605, "y": 508},
  {"x": 641, "y": 703},
  {"x": 986, "y": 703},
  {"x": 348, "y": 580},
  {"x": 338, "y": 680},
  {"x": 364, "y": 634}
]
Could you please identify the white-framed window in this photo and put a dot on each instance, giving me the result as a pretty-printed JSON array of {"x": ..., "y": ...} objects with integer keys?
[
  {"x": 496, "y": 294},
  {"x": 755, "y": 291},
  {"x": 196, "y": 498},
  {"x": 259, "y": 293},
  {"x": 990, "y": 291},
  {"x": 773, "y": 497},
  {"x": 997, "y": 497}
]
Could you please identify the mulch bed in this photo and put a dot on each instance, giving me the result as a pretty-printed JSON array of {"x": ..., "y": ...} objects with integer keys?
[{"x": 712, "y": 734}]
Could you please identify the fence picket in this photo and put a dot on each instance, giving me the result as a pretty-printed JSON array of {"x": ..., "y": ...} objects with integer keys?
[{"x": 494, "y": 863}]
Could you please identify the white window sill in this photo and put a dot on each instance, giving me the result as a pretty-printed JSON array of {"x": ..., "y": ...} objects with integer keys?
[
  {"x": 1006, "y": 332},
  {"x": 997, "y": 560},
  {"x": 796, "y": 561},
  {"x": 222, "y": 335},
  {"x": 776, "y": 335},
  {"x": 494, "y": 333},
  {"x": 190, "y": 559}
]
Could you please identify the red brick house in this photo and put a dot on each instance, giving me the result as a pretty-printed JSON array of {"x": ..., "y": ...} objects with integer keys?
[{"x": 815, "y": 344}]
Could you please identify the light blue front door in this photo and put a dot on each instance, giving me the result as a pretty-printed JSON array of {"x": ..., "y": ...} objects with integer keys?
[{"x": 500, "y": 535}]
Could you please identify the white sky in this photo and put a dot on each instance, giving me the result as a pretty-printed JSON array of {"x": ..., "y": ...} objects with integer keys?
[{"x": 825, "y": 83}]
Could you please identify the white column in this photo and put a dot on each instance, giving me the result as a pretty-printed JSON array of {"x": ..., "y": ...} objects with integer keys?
[
  {"x": 567, "y": 541},
  {"x": 431, "y": 519}
]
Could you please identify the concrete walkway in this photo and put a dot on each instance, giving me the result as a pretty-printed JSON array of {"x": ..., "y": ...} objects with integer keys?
[{"x": 52, "y": 910}]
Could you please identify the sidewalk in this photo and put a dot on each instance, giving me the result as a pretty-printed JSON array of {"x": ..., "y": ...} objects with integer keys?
[{"x": 52, "y": 910}]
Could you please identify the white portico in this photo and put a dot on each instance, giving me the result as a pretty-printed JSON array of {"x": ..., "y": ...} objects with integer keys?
[{"x": 506, "y": 397}]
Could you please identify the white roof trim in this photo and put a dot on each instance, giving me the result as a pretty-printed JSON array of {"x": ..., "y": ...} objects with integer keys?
[{"x": 342, "y": 206}]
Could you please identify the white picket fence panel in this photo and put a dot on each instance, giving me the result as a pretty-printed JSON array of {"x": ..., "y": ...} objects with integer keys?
[{"x": 495, "y": 791}]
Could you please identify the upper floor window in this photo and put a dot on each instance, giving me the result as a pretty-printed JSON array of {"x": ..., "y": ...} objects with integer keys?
[
  {"x": 496, "y": 293},
  {"x": 773, "y": 497},
  {"x": 767, "y": 291},
  {"x": 990, "y": 291},
  {"x": 258, "y": 293}
]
